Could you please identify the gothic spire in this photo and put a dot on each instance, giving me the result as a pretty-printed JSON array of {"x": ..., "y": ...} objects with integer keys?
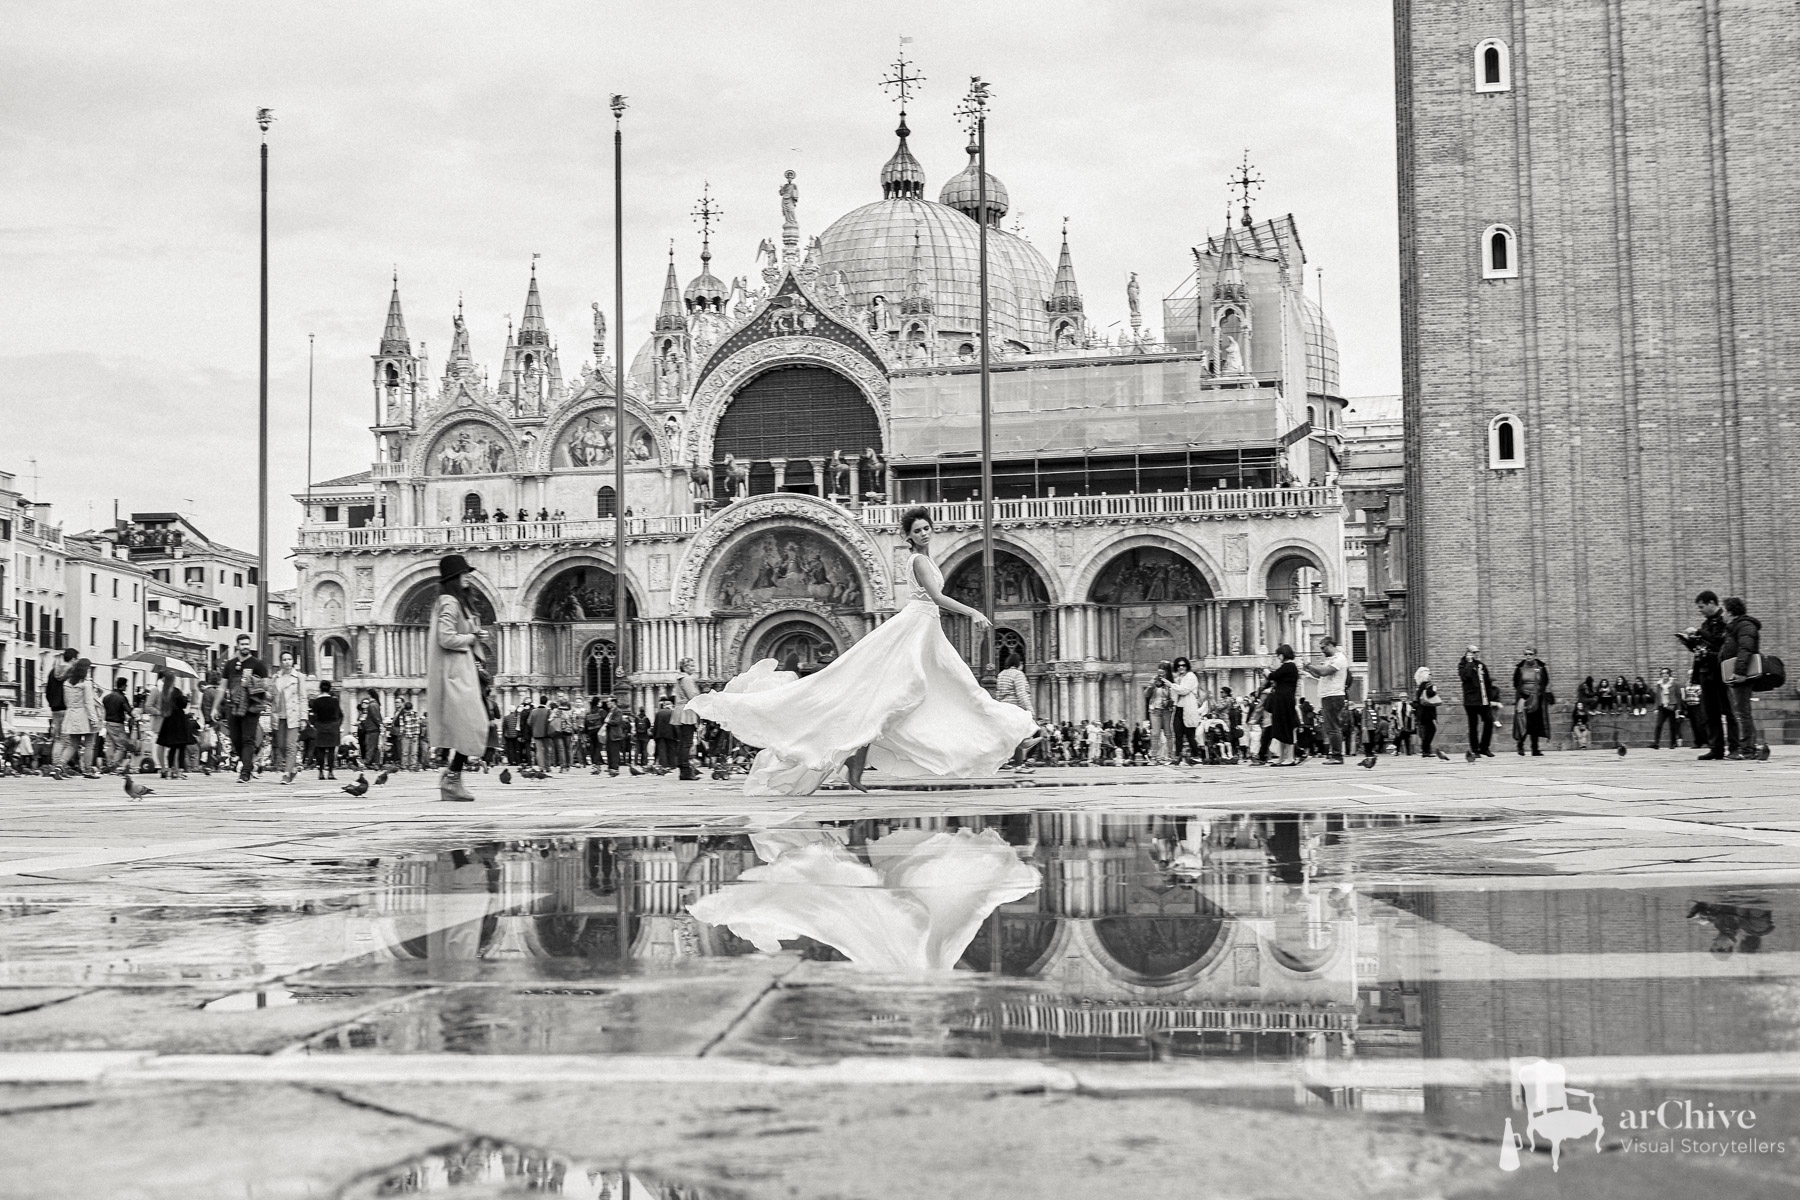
[
  {"x": 918, "y": 288},
  {"x": 669, "y": 317},
  {"x": 532, "y": 330},
  {"x": 1065, "y": 296},
  {"x": 393, "y": 338},
  {"x": 1229, "y": 284}
]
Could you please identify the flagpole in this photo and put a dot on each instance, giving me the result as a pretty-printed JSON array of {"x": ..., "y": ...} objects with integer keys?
[
  {"x": 263, "y": 117},
  {"x": 622, "y": 659},
  {"x": 975, "y": 106}
]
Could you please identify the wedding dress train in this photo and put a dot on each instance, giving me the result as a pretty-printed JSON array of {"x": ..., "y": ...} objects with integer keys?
[{"x": 902, "y": 690}]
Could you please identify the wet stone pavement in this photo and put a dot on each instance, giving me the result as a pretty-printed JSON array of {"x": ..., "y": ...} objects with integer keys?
[{"x": 1422, "y": 980}]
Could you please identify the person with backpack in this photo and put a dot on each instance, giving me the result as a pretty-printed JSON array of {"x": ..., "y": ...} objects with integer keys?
[{"x": 1740, "y": 660}]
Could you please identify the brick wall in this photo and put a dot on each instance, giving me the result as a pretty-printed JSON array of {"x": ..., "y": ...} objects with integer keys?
[{"x": 1651, "y": 342}]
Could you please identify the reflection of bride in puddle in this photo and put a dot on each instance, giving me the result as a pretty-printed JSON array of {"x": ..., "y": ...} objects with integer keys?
[{"x": 912, "y": 909}]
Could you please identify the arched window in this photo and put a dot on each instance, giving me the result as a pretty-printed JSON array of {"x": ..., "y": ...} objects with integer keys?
[
  {"x": 606, "y": 502},
  {"x": 1499, "y": 253},
  {"x": 1493, "y": 66},
  {"x": 471, "y": 506},
  {"x": 597, "y": 668},
  {"x": 1506, "y": 443}
]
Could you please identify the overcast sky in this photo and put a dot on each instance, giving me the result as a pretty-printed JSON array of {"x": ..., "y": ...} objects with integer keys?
[{"x": 455, "y": 139}]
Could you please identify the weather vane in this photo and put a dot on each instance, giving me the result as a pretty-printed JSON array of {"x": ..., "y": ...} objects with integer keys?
[
  {"x": 974, "y": 105},
  {"x": 902, "y": 79},
  {"x": 618, "y": 106},
  {"x": 1245, "y": 183},
  {"x": 264, "y": 116},
  {"x": 706, "y": 212}
]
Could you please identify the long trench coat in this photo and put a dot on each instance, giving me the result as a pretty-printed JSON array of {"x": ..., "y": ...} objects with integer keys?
[
  {"x": 83, "y": 714},
  {"x": 456, "y": 716},
  {"x": 1531, "y": 711}
]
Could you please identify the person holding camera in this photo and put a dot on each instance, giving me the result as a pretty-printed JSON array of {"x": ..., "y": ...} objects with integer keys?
[{"x": 1705, "y": 641}]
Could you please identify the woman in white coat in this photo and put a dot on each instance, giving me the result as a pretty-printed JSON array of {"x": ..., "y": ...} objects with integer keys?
[
  {"x": 456, "y": 654},
  {"x": 1185, "y": 688}
]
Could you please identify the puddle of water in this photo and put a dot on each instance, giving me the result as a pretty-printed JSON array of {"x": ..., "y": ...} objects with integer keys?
[
  {"x": 483, "y": 1167},
  {"x": 1308, "y": 938}
]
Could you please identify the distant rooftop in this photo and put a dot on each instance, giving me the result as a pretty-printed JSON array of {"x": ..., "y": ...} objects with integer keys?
[
  {"x": 1373, "y": 408},
  {"x": 345, "y": 480}
]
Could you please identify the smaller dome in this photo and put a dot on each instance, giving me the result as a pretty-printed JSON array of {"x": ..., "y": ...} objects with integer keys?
[
  {"x": 1321, "y": 350},
  {"x": 902, "y": 178},
  {"x": 706, "y": 291},
  {"x": 963, "y": 192}
]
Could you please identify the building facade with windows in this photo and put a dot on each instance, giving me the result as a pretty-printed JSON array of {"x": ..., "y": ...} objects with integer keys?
[
  {"x": 39, "y": 595},
  {"x": 1599, "y": 326},
  {"x": 11, "y": 607},
  {"x": 177, "y": 555},
  {"x": 105, "y": 596},
  {"x": 1155, "y": 495}
]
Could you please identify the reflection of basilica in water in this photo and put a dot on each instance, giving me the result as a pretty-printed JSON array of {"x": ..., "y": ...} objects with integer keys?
[
  {"x": 1139, "y": 937},
  {"x": 1158, "y": 493}
]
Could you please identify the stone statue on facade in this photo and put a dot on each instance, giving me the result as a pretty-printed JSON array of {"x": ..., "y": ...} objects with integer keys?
[{"x": 790, "y": 201}]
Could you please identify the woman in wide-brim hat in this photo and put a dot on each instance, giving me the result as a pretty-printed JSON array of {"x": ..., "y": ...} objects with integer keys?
[{"x": 456, "y": 715}]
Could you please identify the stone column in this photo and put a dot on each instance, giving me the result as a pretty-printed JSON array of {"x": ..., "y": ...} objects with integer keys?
[
  {"x": 780, "y": 465},
  {"x": 818, "y": 470}
]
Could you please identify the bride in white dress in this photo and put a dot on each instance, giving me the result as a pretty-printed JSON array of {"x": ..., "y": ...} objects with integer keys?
[{"x": 901, "y": 700}]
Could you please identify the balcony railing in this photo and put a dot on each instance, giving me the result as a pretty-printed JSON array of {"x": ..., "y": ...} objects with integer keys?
[
  {"x": 496, "y": 533},
  {"x": 1142, "y": 505},
  {"x": 48, "y": 534},
  {"x": 1051, "y": 510}
]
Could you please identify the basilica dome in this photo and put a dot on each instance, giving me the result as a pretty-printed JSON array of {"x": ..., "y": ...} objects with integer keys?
[
  {"x": 1321, "y": 351},
  {"x": 873, "y": 246}
]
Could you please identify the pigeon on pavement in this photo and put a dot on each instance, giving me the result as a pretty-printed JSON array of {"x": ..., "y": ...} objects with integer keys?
[
  {"x": 137, "y": 791},
  {"x": 1368, "y": 764},
  {"x": 1620, "y": 747},
  {"x": 381, "y": 779},
  {"x": 358, "y": 788},
  {"x": 505, "y": 775},
  {"x": 1468, "y": 756}
]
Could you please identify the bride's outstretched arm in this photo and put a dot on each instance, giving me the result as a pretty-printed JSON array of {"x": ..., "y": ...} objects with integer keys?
[{"x": 928, "y": 581}]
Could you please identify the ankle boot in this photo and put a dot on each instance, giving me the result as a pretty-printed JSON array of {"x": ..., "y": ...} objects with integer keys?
[{"x": 450, "y": 787}]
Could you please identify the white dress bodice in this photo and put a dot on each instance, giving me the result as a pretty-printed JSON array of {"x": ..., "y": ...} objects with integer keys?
[{"x": 915, "y": 590}]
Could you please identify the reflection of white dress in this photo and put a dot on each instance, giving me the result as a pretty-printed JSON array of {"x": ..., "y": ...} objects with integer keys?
[
  {"x": 913, "y": 910},
  {"x": 902, "y": 690}
]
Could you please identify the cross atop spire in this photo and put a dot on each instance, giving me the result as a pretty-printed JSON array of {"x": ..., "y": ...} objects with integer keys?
[
  {"x": 1245, "y": 182},
  {"x": 706, "y": 212},
  {"x": 902, "y": 78}
]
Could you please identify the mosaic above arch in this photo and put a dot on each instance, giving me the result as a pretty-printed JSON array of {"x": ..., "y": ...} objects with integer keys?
[
  {"x": 782, "y": 565},
  {"x": 590, "y": 440},
  {"x": 1150, "y": 575},
  {"x": 470, "y": 448}
]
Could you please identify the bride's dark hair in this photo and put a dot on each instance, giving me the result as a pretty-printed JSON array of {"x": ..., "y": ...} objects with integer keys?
[{"x": 909, "y": 516}]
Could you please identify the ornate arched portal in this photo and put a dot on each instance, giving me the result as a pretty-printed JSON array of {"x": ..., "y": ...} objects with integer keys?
[
  {"x": 793, "y": 414},
  {"x": 1024, "y": 621},
  {"x": 412, "y": 620},
  {"x": 1150, "y": 603},
  {"x": 574, "y": 613}
]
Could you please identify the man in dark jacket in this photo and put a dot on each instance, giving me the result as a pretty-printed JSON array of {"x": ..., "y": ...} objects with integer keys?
[
  {"x": 1714, "y": 723},
  {"x": 1480, "y": 694},
  {"x": 1740, "y": 658},
  {"x": 662, "y": 732},
  {"x": 241, "y": 703}
]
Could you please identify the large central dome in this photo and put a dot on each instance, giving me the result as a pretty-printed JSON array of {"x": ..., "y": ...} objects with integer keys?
[{"x": 874, "y": 248}]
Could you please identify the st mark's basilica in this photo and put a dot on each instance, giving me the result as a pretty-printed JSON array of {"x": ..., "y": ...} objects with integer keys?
[{"x": 1157, "y": 494}]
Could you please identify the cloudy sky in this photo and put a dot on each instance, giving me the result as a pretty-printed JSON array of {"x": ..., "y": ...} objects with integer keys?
[{"x": 454, "y": 139}]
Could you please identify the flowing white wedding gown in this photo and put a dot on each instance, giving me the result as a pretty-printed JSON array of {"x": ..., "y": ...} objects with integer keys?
[
  {"x": 902, "y": 690},
  {"x": 912, "y": 909}
]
